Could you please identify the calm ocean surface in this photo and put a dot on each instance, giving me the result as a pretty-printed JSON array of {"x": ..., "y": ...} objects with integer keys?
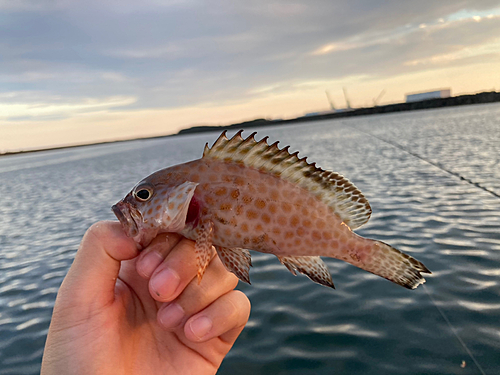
[{"x": 367, "y": 325}]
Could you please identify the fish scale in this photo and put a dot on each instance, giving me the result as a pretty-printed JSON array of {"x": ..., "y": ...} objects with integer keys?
[{"x": 245, "y": 194}]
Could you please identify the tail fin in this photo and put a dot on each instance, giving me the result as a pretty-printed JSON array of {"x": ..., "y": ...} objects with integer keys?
[{"x": 394, "y": 265}]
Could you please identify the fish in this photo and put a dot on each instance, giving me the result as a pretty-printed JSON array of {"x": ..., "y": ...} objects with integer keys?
[{"x": 244, "y": 194}]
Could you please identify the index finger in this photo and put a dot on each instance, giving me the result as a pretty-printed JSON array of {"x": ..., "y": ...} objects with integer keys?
[{"x": 154, "y": 254}]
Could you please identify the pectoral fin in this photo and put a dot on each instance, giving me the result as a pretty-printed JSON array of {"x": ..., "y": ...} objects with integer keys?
[
  {"x": 203, "y": 247},
  {"x": 312, "y": 267},
  {"x": 237, "y": 261}
]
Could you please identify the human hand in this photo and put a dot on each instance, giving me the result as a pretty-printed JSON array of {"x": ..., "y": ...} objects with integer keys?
[{"x": 117, "y": 313}]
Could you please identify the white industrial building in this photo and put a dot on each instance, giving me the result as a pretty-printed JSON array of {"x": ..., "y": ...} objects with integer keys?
[{"x": 437, "y": 94}]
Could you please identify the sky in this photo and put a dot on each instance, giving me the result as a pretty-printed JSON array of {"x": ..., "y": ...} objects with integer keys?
[{"x": 76, "y": 72}]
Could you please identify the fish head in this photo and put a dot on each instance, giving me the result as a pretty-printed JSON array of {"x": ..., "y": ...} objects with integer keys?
[{"x": 153, "y": 208}]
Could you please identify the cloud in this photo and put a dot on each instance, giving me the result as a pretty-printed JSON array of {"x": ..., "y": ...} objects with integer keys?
[
  {"x": 191, "y": 53},
  {"x": 15, "y": 106}
]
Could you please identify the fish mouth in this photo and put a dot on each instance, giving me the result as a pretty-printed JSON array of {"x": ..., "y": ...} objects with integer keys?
[{"x": 122, "y": 213}]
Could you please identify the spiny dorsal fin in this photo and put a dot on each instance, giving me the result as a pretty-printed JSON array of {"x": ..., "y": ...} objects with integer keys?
[{"x": 333, "y": 189}]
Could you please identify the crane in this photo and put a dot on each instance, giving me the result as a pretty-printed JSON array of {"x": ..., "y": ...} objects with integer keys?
[
  {"x": 332, "y": 106},
  {"x": 346, "y": 99},
  {"x": 375, "y": 101}
]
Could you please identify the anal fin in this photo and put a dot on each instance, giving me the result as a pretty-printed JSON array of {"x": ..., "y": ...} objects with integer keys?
[
  {"x": 203, "y": 247},
  {"x": 312, "y": 267},
  {"x": 237, "y": 261}
]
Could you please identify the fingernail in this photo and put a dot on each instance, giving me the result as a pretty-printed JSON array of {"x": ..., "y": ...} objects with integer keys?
[
  {"x": 200, "y": 327},
  {"x": 148, "y": 264},
  {"x": 165, "y": 283},
  {"x": 171, "y": 316}
]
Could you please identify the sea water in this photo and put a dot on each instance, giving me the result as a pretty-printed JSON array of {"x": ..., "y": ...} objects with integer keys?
[{"x": 433, "y": 181}]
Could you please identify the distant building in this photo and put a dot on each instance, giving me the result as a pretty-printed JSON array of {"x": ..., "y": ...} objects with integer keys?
[{"x": 445, "y": 93}]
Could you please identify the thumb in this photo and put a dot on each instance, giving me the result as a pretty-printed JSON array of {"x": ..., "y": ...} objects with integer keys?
[{"x": 92, "y": 277}]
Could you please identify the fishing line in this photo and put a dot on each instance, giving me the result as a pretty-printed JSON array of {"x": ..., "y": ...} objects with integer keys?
[
  {"x": 437, "y": 165},
  {"x": 454, "y": 331}
]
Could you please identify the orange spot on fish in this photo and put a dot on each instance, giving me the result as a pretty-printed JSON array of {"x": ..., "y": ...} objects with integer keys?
[
  {"x": 288, "y": 234},
  {"x": 327, "y": 235},
  {"x": 150, "y": 211},
  {"x": 239, "y": 181},
  {"x": 260, "y": 204},
  {"x": 320, "y": 224},
  {"x": 297, "y": 242},
  {"x": 252, "y": 214},
  {"x": 209, "y": 200},
  {"x": 277, "y": 230},
  {"x": 272, "y": 208},
  {"x": 301, "y": 231},
  {"x": 226, "y": 178},
  {"x": 195, "y": 177},
  {"x": 307, "y": 223},
  {"x": 226, "y": 207},
  {"x": 274, "y": 194},
  {"x": 221, "y": 191},
  {"x": 262, "y": 189},
  {"x": 235, "y": 193},
  {"x": 258, "y": 227},
  {"x": 212, "y": 178},
  {"x": 247, "y": 199},
  {"x": 171, "y": 206},
  {"x": 294, "y": 221},
  {"x": 265, "y": 218},
  {"x": 286, "y": 207},
  {"x": 244, "y": 227},
  {"x": 305, "y": 211},
  {"x": 282, "y": 220},
  {"x": 316, "y": 235}
]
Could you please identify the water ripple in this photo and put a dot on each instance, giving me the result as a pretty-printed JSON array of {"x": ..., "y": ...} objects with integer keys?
[{"x": 367, "y": 325}]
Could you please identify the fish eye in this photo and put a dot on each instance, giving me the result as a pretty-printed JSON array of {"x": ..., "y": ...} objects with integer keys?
[{"x": 143, "y": 194}]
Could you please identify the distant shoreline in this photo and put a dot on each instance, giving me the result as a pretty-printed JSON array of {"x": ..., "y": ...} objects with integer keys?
[{"x": 480, "y": 98}]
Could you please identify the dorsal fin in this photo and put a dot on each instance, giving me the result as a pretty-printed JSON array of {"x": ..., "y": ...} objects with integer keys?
[{"x": 332, "y": 188}]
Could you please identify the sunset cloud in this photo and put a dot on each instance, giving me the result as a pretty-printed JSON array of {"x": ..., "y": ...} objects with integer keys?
[{"x": 63, "y": 60}]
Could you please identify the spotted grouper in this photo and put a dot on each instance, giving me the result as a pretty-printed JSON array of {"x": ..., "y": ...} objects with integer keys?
[{"x": 246, "y": 195}]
